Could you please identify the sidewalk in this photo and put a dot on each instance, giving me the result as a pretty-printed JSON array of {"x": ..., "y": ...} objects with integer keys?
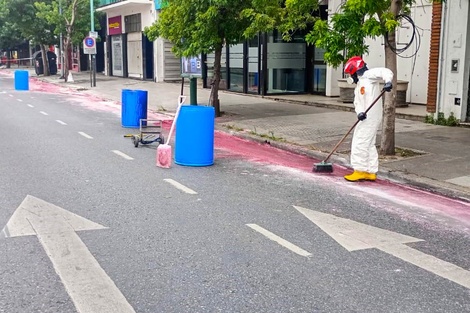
[{"x": 312, "y": 125}]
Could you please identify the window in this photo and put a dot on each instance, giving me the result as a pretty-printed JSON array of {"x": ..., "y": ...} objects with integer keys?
[{"x": 133, "y": 23}]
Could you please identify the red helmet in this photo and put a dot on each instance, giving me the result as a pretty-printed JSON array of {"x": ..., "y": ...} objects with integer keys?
[{"x": 354, "y": 64}]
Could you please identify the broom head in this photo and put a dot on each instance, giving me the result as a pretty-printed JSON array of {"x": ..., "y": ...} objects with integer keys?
[
  {"x": 164, "y": 156},
  {"x": 323, "y": 167}
]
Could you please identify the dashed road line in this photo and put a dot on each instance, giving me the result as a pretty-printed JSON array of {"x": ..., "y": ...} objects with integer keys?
[
  {"x": 31, "y": 106},
  {"x": 85, "y": 135},
  {"x": 121, "y": 154},
  {"x": 279, "y": 240},
  {"x": 43, "y": 113},
  {"x": 20, "y": 100},
  {"x": 60, "y": 122},
  {"x": 11, "y": 95},
  {"x": 180, "y": 186}
]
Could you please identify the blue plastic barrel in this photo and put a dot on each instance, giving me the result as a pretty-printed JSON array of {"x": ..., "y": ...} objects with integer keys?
[
  {"x": 21, "y": 80},
  {"x": 194, "y": 139},
  {"x": 133, "y": 107}
]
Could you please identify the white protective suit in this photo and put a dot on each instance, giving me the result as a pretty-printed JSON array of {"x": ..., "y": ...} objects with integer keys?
[{"x": 364, "y": 156}]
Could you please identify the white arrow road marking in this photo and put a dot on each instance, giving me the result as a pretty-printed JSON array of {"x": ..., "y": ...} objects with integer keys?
[
  {"x": 122, "y": 154},
  {"x": 279, "y": 240},
  {"x": 89, "y": 287},
  {"x": 357, "y": 236},
  {"x": 85, "y": 135},
  {"x": 180, "y": 186},
  {"x": 60, "y": 122},
  {"x": 43, "y": 113}
]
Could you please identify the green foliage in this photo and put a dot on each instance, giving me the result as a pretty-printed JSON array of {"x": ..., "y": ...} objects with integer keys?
[
  {"x": 442, "y": 120},
  {"x": 10, "y": 35},
  {"x": 200, "y": 26},
  {"x": 75, "y": 13}
]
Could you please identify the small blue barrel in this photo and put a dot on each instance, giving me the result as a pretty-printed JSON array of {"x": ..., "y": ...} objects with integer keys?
[
  {"x": 133, "y": 107},
  {"x": 194, "y": 139},
  {"x": 21, "y": 80}
]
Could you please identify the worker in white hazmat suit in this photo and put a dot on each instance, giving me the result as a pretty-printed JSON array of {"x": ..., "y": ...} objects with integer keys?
[{"x": 364, "y": 156}]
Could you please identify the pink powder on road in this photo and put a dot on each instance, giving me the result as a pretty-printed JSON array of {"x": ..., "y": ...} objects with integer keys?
[{"x": 229, "y": 146}]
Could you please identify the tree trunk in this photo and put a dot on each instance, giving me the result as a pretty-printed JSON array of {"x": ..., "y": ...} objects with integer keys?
[
  {"x": 8, "y": 58},
  {"x": 45, "y": 61},
  {"x": 387, "y": 142},
  {"x": 67, "y": 47},
  {"x": 216, "y": 81}
]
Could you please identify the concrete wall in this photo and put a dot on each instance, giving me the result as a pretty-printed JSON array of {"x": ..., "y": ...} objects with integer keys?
[
  {"x": 332, "y": 74},
  {"x": 412, "y": 64},
  {"x": 455, "y": 46}
]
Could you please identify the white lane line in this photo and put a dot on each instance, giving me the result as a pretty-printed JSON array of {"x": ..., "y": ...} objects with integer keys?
[
  {"x": 11, "y": 95},
  {"x": 31, "y": 106},
  {"x": 180, "y": 186},
  {"x": 20, "y": 100},
  {"x": 60, "y": 122},
  {"x": 279, "y": 240},
  {"x": 121, "y": 154},
  {"x": 85, "y": 135},
  {"x": 43, "y": 113}
]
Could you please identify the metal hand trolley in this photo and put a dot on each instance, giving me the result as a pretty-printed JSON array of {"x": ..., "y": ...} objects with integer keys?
[{"x": 150, "y": 131}]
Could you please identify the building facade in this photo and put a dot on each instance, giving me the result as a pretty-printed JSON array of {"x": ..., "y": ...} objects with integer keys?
[
  {"x": 129, "y": 53},
  {"x": 434, "y": 58}
]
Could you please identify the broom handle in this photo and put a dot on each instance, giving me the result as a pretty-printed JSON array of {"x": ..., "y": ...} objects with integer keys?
[
  {"x": 181, "y": 100},
  {"x": 352, "y": 127}
]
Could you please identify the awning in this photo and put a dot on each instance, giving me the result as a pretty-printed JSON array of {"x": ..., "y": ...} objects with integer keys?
[{"x": 128, "y": 4}]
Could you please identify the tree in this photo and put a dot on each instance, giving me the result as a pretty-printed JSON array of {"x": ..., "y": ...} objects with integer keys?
[
  {"x": 74, "y": 21},
  {"x": 32, "y": 27},
  {"x": 205, "y": 26},
  {"x": 10, "y": 36},
  {"x": 344, "y": 36}
]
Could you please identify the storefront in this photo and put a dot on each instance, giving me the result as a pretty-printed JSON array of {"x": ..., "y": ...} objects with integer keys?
[
  {"x": 128, "y": 52},
  {"x": 268, "y": 65}
]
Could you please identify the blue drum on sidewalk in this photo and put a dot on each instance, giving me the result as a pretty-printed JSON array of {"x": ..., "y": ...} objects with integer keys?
[
  {"x": 194, "y": 139},
  {"x": 133, "y": 107},
  {"x": 21, "y": 80}
]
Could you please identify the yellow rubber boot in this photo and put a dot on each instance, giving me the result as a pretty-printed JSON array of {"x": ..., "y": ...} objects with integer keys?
[
  {"x": 356, "y": 176},
  {"x": 371, "y": 176}
]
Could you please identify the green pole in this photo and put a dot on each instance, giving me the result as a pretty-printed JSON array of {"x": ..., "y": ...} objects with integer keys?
[
  {"x": 92, "y": 16},
  {"x": 92, "y": 57},
  {"x": 193, "y": 90}
]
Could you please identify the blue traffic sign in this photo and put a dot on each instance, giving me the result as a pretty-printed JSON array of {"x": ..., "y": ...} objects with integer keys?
[{"x": 89, "y": 42}]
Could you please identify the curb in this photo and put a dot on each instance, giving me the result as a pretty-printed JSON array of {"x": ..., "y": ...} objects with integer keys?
[{"x": 418, "y": 182}]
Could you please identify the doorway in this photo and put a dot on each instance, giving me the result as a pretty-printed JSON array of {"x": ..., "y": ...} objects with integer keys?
[{"x": 244, "y": 67}]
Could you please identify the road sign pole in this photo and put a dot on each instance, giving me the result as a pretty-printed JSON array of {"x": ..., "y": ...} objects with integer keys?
[{"x": 93, "y": 56}]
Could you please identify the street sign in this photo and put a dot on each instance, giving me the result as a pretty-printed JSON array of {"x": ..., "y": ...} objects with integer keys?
[
  {"x": 93, "y": 34},
  {"x": 89, "y": 45}
]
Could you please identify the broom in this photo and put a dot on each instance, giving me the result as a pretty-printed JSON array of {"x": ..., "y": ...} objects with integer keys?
[
  {"x": 164, "y": 150},
  {"x": 324, "y": 166}
]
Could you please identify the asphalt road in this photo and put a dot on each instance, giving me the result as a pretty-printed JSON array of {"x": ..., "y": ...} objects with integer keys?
[{"x": 232, "y": 237}]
